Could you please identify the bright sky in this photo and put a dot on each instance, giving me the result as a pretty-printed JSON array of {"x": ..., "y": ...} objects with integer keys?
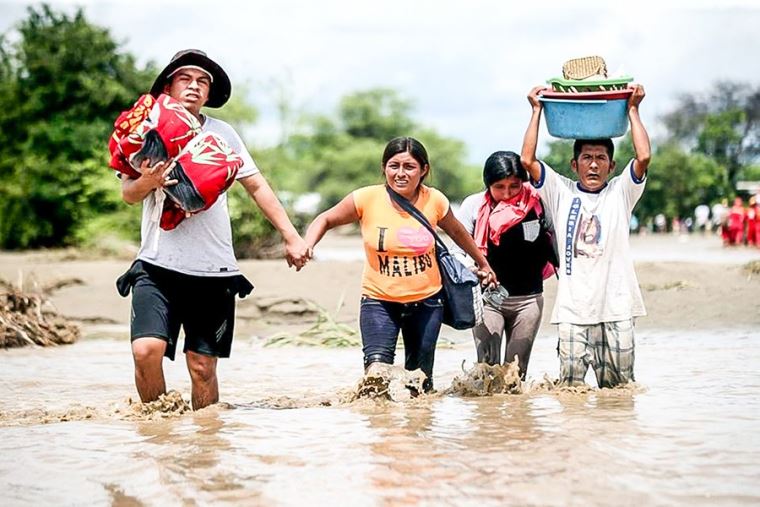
[{"x": 467, "y": 66}]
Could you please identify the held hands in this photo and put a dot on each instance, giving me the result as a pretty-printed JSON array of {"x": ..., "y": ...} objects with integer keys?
[
  {"x": 487, "y": 277},
  {"x": 158, "y": 175},
  {"x": 297, "y": 252}
]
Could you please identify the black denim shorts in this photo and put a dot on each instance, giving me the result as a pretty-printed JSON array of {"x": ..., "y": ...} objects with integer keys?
[{"x": 163, "y": 301}]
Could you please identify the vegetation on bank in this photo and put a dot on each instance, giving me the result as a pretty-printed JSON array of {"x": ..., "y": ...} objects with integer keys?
[{"x": 63, "y": 80}]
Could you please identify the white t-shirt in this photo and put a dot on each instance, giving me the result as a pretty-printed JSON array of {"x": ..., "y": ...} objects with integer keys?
[
  {"x": 597, "y": 282},
  {"x": 467, "y": 214},
  {"x": 201, "y": 244}
]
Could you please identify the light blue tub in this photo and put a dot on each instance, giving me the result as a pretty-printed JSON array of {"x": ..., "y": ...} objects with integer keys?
[{"x": 585, "y": 119}]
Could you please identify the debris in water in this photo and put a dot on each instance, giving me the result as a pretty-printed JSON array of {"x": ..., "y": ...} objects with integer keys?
[
  {"x": 30, "y": 319},
  {"x": 752, "y": 268},
  {"x": 326, "y": 332},
  {"x": 673, "y": 285}
]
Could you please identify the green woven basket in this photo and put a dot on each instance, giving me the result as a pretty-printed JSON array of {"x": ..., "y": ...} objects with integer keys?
[{"x": 601, "y": 85}]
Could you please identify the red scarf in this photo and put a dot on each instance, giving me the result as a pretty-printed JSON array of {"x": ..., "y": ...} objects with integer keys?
[{"x": 495, "y": 218}]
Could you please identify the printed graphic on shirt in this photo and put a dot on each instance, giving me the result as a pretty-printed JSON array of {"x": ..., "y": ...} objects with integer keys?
[
  {"x": 572, "y": 220},
  {"x": 588, "y": 235},
  {"x": 417, "y": 241}
]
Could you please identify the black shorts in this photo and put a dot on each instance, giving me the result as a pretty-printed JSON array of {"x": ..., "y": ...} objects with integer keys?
[{"x": 164, "y": 300}]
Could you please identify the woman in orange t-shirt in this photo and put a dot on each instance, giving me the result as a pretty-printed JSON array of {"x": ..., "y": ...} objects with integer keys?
[{"x": 401, "y": 283}]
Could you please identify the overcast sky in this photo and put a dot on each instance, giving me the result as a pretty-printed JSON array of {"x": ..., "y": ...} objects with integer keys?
[{"x": 467, "y": 66}]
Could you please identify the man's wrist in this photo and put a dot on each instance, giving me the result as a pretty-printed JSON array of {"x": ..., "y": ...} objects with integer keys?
[{"x": 291, "y": 235}]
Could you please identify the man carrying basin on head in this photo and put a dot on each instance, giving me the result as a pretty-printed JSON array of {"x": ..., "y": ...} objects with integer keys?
[
  {"x": 190, "y": 277},
  {"x": 598, "y": 295}
]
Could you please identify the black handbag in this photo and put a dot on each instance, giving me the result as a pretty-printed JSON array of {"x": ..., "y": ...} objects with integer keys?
[{"x": 461, "y": 288}]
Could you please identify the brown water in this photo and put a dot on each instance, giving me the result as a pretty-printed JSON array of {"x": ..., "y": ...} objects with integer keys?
[{"x": 688, "y": 434}]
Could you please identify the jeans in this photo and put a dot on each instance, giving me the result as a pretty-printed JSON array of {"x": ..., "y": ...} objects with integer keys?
[{"x": 419, "y": 323}]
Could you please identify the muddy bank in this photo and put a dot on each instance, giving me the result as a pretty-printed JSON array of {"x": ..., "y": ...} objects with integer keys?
[{"x": 679, "y": 294}]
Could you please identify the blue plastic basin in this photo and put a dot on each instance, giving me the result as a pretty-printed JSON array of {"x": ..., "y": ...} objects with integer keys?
[{"x": 586, "y": 119}]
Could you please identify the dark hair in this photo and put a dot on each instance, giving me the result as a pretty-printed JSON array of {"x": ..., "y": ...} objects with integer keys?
[
  {"x": 407, "y": 145},
  {"x": 503, "y": 164},
  {"x": 580, "y": 143}
]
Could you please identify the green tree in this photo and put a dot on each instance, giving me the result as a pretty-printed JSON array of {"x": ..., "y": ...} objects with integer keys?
[
  {"x": 333, "y": 155},
  {"x": 723, "y": 124},
  {"x": 64, "y": 81},
  {"x": 379, "y": 113},
  {"x": 680, "y": 181},
  {"x": 559, "y": 156}
]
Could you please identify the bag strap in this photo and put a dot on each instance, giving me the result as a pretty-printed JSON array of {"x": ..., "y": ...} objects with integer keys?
[{"x": 407, "y": 206}]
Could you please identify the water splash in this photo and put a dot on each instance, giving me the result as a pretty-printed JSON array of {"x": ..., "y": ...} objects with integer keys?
[
  {"x": 169, "y": 405},
  {"x": 385, "y": 381},
  {"x": 484, "y": 380}
]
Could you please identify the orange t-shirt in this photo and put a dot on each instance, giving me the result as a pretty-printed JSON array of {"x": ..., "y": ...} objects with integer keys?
[{"x": 400, "y": 251}]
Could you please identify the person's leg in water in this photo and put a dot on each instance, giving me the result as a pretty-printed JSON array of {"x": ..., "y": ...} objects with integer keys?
[
  {"x": 208, "y": 316},
  {"x": 488, "y": 335},
  {"x": 614, "y": 353},
  {"x": 420, "y": 327},
  {"x": 148, "y": 355},
  {"x": 523, "y": 320},
  {"x": 154, "y": 328},
  {"x": 379, "y": 326},
  {"x": 574, "y": 354},
  {"x": 205, "y": 385}
]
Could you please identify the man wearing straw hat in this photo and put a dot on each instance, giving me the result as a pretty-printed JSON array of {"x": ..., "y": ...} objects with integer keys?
[
  {"x": 190, "y": 278},
  {"x": 598, "y": 295}
]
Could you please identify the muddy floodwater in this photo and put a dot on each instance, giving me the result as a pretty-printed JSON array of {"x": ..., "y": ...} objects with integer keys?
[{"x": 689, "y": 433}]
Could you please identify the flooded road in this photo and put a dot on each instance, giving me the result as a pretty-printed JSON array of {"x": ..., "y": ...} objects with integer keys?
[{"x": 689, "y": 434}]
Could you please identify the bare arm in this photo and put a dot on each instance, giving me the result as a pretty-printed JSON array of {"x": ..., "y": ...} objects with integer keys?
[
  {"x": 467, "y": 216},
  {"x": 341, "y": 214},
  {"x": 296, "y": 251},
  {"x": 530, "y": 141},
  {"x": 135, "y": 190},
  {"x": 461, "y": 237},
  {"x": 639, "y": 134}
]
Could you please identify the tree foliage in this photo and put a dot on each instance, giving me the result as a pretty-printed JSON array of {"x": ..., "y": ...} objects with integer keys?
[
  {"x": 63, "y": 83},
  {"x": 333, "y": 155},
  {"x": 679, "y": 182},
  {"x": 723, "y": 124}
]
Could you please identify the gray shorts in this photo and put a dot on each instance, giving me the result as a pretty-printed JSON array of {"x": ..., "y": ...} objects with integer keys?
[{"x": 607, "y": 347}]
